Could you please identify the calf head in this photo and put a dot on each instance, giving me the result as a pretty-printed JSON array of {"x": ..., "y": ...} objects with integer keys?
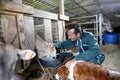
[
  {"x": 8, "y": 57},
  {"x": 62, "y": 73},
  {"x": 41, "y": 48}
]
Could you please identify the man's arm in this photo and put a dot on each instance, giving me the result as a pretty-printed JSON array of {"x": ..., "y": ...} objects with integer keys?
[{"x": 65, "y": 44}]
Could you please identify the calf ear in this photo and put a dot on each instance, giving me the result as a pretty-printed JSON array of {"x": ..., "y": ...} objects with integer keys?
[{"x": 26, "y": 54}]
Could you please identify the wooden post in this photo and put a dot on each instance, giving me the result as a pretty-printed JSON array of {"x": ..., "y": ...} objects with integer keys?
[
  {"x": 61, "y": 30},
  {"x": 61, "y": 11},
  {"x": 48, "y": 30}
]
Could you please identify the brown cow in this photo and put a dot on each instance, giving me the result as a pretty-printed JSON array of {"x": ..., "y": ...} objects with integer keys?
[
  {"x": 8, "y": 57},
  {"x": 86, "y": 71}
]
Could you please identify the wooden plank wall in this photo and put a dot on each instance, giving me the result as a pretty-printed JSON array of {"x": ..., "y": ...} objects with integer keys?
[
  {"x": 29, "y": 32},
  {"x": 10, "y": 30}
]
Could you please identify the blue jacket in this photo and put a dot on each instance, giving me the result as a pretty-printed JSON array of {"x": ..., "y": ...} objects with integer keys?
[{"x": 87, "y": 45}]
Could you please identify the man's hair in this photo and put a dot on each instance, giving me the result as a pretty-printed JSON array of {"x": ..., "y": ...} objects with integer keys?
[{"x": 76, "y": 27}]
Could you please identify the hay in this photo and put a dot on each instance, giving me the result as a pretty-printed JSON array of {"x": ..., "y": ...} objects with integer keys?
[
  {"x": 112, "y": 53},
  {"x": 109, "y": 48}
]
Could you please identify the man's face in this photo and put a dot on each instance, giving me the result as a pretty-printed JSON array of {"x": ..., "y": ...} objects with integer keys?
[{"x": 72, "y": 35}]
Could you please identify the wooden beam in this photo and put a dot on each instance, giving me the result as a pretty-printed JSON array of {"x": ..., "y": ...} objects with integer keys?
[
  {"x": 63, "y": 17},
  {"x": 15, "y": 7},
  {"x": 13, "y": 1},
  {"x": 45, "y": 14},
  {"x": 49, "y": 15},
  {"x": 8, "y": 13},
  {"x": 29, "y": 1}
]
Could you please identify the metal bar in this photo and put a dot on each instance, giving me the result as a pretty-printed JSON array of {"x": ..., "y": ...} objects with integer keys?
[
  {"x": 88, "y": 23},
  {"x": 84, "y": 17},
  {"x": 97, "y": 27},
  {"x": 100, "y": 27}
]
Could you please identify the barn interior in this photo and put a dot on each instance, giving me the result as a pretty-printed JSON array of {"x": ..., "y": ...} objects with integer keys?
[{"x": 20, "y": 20}]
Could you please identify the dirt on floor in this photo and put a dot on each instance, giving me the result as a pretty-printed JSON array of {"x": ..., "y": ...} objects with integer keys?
[{"x": 112, "y": 53}]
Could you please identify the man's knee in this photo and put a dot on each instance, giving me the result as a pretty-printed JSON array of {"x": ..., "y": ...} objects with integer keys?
[{"x": 101, "y": 58}]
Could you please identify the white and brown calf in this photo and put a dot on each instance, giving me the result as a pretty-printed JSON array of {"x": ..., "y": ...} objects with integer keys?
[
  {"x": 86, "y": 71},
  {"x": 8, "y": 57}
]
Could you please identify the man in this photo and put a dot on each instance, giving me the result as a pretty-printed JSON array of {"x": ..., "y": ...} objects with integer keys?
[{"x": 85, "y": 41}]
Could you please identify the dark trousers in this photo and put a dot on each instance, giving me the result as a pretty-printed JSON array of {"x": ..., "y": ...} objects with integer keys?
[{"x": 61, "y": 57}]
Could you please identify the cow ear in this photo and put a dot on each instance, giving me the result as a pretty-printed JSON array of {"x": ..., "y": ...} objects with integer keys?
[{"x": 26, "y": 54}]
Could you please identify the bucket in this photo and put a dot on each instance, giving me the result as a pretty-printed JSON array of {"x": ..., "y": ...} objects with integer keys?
[{"x": 110, "y": 38}]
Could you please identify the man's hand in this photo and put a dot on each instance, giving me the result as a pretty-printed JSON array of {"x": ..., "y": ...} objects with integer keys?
[{"x": 69, "y": 63}]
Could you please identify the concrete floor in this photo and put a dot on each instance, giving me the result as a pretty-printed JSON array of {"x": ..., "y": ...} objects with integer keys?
[{"x": 112, "y": 53}]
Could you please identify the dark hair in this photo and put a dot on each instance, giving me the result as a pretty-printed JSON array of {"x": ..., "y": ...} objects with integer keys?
[{"x": 76, "y": 27}]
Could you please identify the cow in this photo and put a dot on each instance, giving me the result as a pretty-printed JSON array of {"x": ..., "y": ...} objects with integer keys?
[
  {"x": 82, "y": 70},
  {"x": 8, "y": 57},
  {"x": 48, "y": 56},
  {"x": 43, "y": 51}
]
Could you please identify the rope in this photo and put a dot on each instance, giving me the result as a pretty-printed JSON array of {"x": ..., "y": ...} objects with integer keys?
[
  {"x": 41, "y": 65},
  {"x": 44, "y": 68}
]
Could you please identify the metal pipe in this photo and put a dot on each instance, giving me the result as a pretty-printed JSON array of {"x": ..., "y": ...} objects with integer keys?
[{"x": 85, "y": 17}]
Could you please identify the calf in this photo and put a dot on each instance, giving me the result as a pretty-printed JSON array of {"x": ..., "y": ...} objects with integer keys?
[
  {"x": 44, "y": 52},
  {"x": 8, "y": 57},
  {"x": 86, "y": 71}
]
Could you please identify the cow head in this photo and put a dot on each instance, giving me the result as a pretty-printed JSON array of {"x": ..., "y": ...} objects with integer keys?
[
  {"x": 8, "y": 57},
  {"x": 41, "y": 48}
]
